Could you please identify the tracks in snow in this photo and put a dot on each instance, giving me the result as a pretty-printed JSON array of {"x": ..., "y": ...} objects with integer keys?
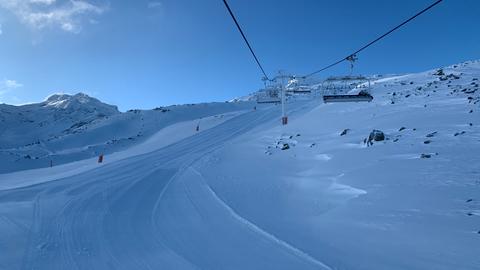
[
  {"x": 133, "y": 215},
  {"x": 255, "y": 228}
]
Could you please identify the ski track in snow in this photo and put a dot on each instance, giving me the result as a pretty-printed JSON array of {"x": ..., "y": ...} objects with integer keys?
[
  {"x": 163, "y": 138},
  {"x": 258, "y": 230},
  {"x": 110, "y": 218}
]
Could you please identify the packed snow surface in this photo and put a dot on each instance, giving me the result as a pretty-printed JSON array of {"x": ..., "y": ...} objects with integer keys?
[{"x": 244, "y": 192}]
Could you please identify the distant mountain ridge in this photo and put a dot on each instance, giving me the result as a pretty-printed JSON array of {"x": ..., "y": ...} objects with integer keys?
[
  {"x": 65, "y": 128},
  {"x": 57, "y": 113}
]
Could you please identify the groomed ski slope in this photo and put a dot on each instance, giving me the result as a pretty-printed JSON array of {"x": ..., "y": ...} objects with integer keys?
[
  {"x": 130, "y": 215},
  {"x": 35, "y": 135},
  {"x": 229, "y": 198},
  {"x": 164, "y": 137}
]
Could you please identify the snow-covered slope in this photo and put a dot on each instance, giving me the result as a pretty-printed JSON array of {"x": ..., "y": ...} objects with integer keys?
[
  {"x": 41, "y": 121},
  {"x": 247, "y": 193},
  {"x": 66, "y": 128},
  {"x": 409, "y": 202}
]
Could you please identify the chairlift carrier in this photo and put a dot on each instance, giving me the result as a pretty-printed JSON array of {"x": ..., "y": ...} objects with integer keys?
[
  {"x": 270, "y": 94},
  {"x": 341, "y": 86},
  {"x": 362, "y": 96},
  {"x": 296, "y": 86}
]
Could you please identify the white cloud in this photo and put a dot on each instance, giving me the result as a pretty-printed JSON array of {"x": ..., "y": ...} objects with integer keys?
[
  {"x": 40, "y": 14},
  {"x": 11, "y": 84},
  {"x": 155, "y": 4},
  {"x": 45, "y": 2},
  {"x": 8, "y": 85}
]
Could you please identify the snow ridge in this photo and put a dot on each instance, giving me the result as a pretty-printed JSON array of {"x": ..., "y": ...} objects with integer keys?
[{"x": 255, "y": 228}]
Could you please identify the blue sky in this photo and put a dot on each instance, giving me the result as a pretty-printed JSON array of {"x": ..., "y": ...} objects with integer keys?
[{"x": 143, "y": 54}]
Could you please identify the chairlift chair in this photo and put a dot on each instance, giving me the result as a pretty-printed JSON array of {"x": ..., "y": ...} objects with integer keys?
[
  {"x": 300, "y": 90},
  {"x": 270, "y": 94},
  {"x": 294, "y": 86},
  {"x": 362, "y": 96},
  {"x": 338, "y": 89}
]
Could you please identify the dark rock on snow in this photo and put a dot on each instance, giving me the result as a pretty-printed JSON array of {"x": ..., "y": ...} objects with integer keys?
[
  {"x": 376, "y": 135},
  {"x": 344, "y": 132},
  {"x": 425, "y": 156}
]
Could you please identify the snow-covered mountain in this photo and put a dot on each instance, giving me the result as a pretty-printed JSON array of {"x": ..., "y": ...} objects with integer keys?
[
  {"x": 244, "y": 192},
  {"x": 57, "y": 114},
  {"x": 66, "y": 128}
]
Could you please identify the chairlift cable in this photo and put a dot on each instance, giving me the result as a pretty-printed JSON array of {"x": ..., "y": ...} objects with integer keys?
[
  {"x": 245, "y": 39},
  {"x": 375, "y": 40}
]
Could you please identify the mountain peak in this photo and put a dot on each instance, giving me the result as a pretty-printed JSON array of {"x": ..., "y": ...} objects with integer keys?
[
  {"x": 78, "y": 101},
  {"x": 58, "y": 99}
]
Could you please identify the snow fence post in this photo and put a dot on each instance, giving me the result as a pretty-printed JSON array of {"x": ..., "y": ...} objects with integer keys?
[
  {"x": 284, "y": 115},
  {"x": 100, "y": 158}
]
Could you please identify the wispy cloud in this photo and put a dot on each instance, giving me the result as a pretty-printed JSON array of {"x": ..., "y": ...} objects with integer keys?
[
  {"x": 155, "y": 4},
  {"x": 11, "y": 84},
  {"x": 64, "y": 14},
  {"x": 8, "y": 85},
  {"x": 45, "y": 2}
]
